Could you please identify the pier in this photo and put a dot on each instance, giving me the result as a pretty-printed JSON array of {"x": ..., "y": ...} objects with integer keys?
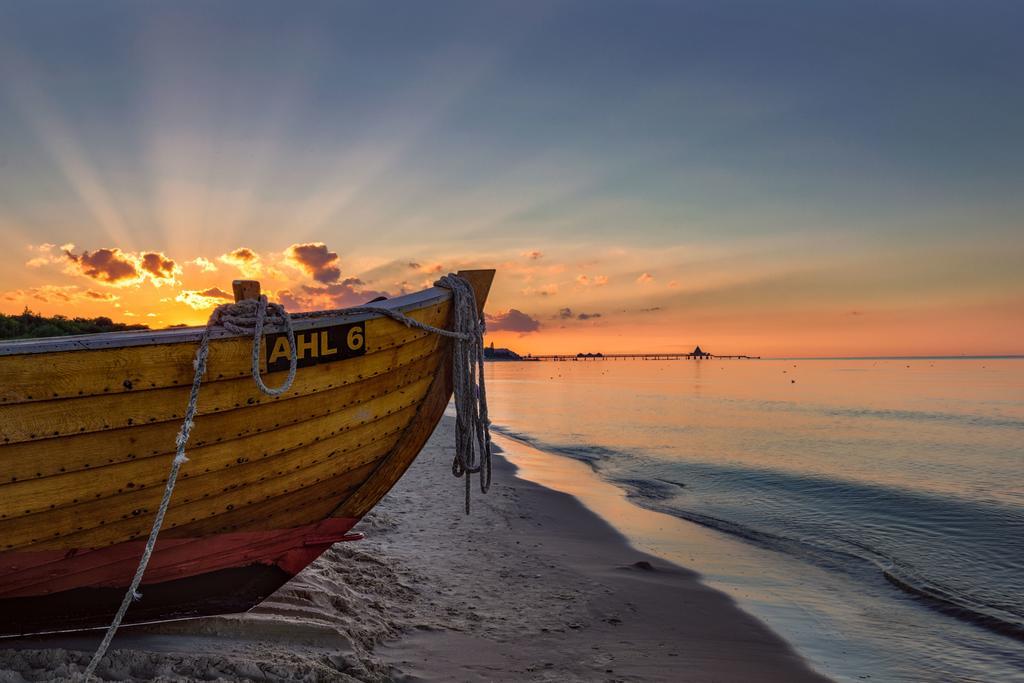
[
  {"x": 491, "y": 353},
  {"x": 639, "y": 356}
]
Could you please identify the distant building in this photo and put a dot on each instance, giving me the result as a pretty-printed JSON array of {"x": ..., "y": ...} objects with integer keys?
[
  {"x": 491, "y": 353},
  {"x": 699, "y": 354}
]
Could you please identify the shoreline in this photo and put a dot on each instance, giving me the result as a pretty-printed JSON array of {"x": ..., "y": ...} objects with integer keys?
[{"x": 532, "y": 586}]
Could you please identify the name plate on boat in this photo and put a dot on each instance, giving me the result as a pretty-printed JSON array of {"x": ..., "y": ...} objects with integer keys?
[{"x": 323, "y": 345}]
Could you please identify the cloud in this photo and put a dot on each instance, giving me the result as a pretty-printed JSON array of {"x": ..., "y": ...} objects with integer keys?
[
  {"x": 336, "y": 295},
  {"x": 290, "y": 301},
  {"x": 45, "y": 255},
  {"x": 428, "y": 268},
  {"x": 58, "y": 294},
  {"x": 108, "y": 266},
  {"x": 596, "y": 280},
  {"x": 116, "y": 268},
  {"x": 652, "y": 309},
  {"x": 200, "y": 300},
  {"x": 100, "y": 296},
  {"x": 244, "y": 259},
  {"x": 567, "y": 314},
  {"x": 512, "y": 321},
  {"x": 160, "y": 269},
  {"x": 545, "y": 290},
  {"x": 673, "y": 283},
  {"x": 645, "y": 278},
  {"x": 316, "y": 260},
  {"x": 205, "y": 265},
  {"x": 533, "y": 255}
]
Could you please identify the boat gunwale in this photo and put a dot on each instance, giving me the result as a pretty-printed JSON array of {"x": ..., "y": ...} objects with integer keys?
[{"x": 182, "y": 335}]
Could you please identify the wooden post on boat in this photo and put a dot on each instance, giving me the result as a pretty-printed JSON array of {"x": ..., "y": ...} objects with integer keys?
[{"x": 246, "y": 289}]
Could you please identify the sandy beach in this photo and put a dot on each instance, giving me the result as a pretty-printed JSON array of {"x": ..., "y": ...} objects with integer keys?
[{"x": 532, "y": 586}]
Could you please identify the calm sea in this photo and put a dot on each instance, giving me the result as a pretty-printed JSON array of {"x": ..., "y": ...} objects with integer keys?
[{"x": 885, "y": 496}]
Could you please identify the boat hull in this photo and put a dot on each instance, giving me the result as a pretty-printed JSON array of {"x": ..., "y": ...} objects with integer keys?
[
  {"x": 86, "y": 440},
  {"x": 187, "y": 577}
]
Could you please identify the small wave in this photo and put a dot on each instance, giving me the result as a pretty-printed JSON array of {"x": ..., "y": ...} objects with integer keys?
[
  {"x": 929, "y": 592},
  {"x": 587, "y": 453},
  {"x": 927, "y": 416},
  {"x": 950, "y": 603},
  {"x": 843, "y": 553},
  {"x": 965, "y": 419},
  {"x": 654, "y": 489}
]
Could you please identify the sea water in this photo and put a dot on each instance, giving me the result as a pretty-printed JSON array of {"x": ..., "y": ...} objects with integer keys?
[{"x": 881, "y": 500}]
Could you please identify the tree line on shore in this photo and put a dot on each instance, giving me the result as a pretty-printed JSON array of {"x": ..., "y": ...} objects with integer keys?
[{"x": 28, "y": 325}]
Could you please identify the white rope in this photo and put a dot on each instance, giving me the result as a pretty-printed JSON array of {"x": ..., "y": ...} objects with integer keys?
[{"x": 473, "y": 439}]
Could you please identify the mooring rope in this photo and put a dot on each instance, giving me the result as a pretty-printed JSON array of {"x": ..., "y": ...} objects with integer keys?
[{"x": 472, "y": 440}]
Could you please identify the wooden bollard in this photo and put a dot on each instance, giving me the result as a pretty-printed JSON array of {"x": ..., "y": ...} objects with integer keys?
[{"x": 246, "y": 289}]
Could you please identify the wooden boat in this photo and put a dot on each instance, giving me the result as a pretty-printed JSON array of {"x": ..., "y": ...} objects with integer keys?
[{"x": 87, "y": 431}]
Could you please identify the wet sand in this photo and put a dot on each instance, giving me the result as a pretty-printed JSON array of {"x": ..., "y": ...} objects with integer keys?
[{"x": 532, "y": 586}]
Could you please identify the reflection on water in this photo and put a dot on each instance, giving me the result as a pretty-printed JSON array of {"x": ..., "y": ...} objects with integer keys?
[{"x": 891, "y": 488}]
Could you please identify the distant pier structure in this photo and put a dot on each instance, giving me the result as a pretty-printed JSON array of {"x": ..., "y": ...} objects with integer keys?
[{"x": 696, "y": 354}]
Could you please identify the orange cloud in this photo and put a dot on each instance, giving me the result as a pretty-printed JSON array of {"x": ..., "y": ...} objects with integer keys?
[
  {"x": 244, "y": 259},
  {"x": 533, "y": 255},
  {"x": 58, "y": 294},
  {"x": 645, "y": 278},
  {"x": 596, "y": 280},
  {"x": 546, "y": 290},
  {"x": 160, "y": 269},
  {"x": 45, "y": 255},
  {"x": 116, "y": 268},
  {"x": 100, "y": 296},
  {"x": 203, "y": 264},
  {"x": 109, "y": 266},
  {"x": 200, "y": 300},
  {"x": 336, "y": 295},
  {"x": 315, "y": 260}
]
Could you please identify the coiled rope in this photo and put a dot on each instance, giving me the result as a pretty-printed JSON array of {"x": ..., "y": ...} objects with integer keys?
[{"x": 472, "y": 436}]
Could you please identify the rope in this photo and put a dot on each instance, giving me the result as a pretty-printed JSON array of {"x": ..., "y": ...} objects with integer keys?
[
  {"x": 472, "y": 441},
  {"x": 472, "y": 425}
]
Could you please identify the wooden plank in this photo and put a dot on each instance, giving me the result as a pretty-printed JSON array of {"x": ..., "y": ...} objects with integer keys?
[
  {"x": 394, "y": 465},
  {"x": 67, "y": 374},
  {"x": 31, "y": 496},
  {"x": 62, "y": 417},
  {"x": 63, "y": 455},
  {"x": 97, "y": 523},
  {"x": 178, "y": 549},
  {"x": 308, "y": 505}
]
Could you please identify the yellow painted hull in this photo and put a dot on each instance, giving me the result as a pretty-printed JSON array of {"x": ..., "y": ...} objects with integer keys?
[{"x": 87, "y": 435}]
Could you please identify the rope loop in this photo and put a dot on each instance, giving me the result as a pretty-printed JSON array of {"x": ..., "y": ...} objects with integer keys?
[{"x": 248, "y": 317}]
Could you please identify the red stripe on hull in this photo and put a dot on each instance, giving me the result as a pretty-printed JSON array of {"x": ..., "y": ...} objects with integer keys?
[{"x": 40, "y": 573}]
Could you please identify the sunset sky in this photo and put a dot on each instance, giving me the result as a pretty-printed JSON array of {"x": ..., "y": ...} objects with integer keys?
[{"x": 786, "y": 178}]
